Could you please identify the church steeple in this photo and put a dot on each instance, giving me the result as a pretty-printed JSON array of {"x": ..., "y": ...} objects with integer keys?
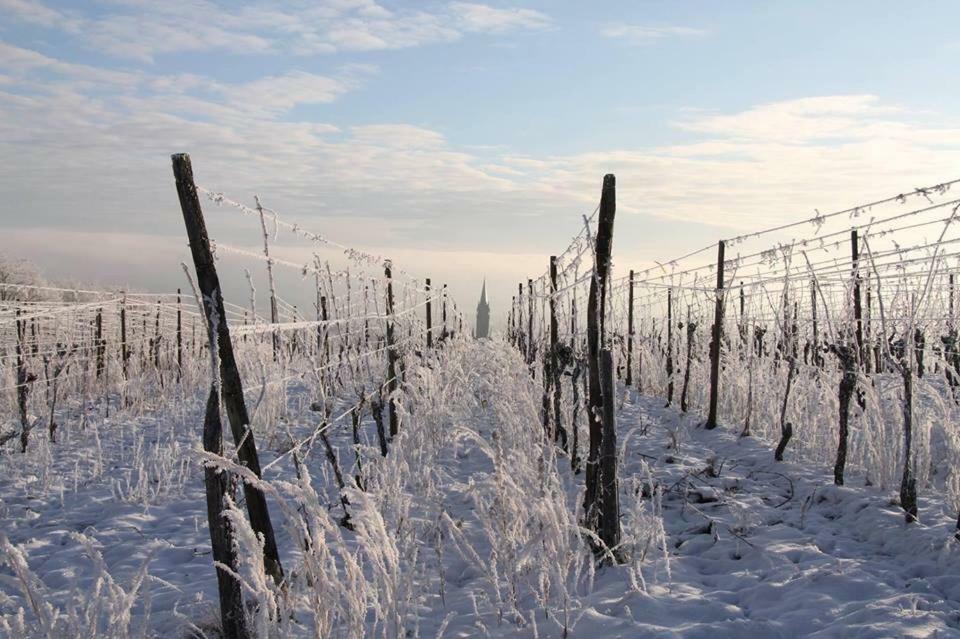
[{"x": 483, "y": 313}]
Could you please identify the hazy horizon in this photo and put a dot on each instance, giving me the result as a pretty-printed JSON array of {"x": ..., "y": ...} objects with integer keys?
[{"x": 463, "y": 140}]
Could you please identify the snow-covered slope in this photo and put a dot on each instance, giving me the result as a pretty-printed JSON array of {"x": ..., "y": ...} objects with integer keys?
[{"x": 470, "y": 528}]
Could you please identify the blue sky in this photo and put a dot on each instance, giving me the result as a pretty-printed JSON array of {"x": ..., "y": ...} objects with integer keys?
[{"x": 460, "y": 138}]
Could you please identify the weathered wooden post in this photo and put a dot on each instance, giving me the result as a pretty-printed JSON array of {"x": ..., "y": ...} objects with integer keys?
[
  {"x": 630, "y": 332},
  {"x": 274, "y": 313},
  {"x": 179, "y": 338},
  {"x": 325, "y": 317},
  {"x": 602, "y": 512},
  {"x": 156, "y": 345},
  {"x": 429, "y": 318},
  {"x": 443, "y": 314},
  {"x": 817, "y": 360},
  {"x": 24, "y": 378},
  {"x": 669, "y": 346},
  {"x": 559, "y": 432},
  {"x": 691, "y": 330},
  {"x": 609, "y": 510},
  {"x": 715, "y": 347},
  {"x": 952, "y": 297},
  {"x": 575, "y": 387},
  {"x": 217, "y": 483},
  {"x": 857, "y": 305},
  {"x": 100, "y": 342},
  {"x": 530, "y": 341},
  {"x": 521, "y": 340},
  {"x": 231, "y": 386},
  {"x": 124, "y": 350},
  {"x": 392, "y": 356}
]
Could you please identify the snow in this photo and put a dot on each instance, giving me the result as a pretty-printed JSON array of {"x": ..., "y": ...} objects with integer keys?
[{"x": 469, "y": 526}]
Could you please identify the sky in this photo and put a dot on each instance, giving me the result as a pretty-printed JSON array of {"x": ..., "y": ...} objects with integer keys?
[{"x": 464, "y": 140}]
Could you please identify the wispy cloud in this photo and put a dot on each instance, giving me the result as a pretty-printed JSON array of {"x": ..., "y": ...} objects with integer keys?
[
  {"x": 644, "y": 34},
  {"x": 141, "y": 30},
  {"x": 484, "y": 18}
]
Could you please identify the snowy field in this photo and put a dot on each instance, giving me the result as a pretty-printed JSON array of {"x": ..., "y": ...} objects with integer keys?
[{"x": 469, "y": 527}]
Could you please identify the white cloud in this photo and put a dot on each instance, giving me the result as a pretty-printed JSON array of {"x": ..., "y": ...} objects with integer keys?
[
  {"x": 642, "y": 35},
  {"x": 841, "y": 116},
  {"x": 484, "y": 18},
  {"x": 92, "y": 153},
  {"x": 142, "y": 30}
]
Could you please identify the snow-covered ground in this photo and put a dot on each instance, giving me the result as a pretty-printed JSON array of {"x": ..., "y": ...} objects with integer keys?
[{"x": 469, "y": 528}]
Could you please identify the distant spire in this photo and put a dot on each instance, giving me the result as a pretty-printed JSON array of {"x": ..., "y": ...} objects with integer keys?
[{"x": 483, "y": 314}]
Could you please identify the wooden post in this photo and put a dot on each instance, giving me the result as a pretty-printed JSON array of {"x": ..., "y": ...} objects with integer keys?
[
  {"x": 817, "y": 360},
  {"x": 857, "y": 306},
  {"x": 124, "y": 351},
  {"x": 558, "y": 430},
  {"x": 326, "y": 331},
  {"x": 575, "y": 386},
  {"x": 231, "y": 386},
  {"x": 443, "y": 314},
  {"x": 715, "y": 343},
  {"x": 868, "y": 331},
  {"x": 594, "y": 500},
  {"x": 316, "y": 281},
  {"x": 391, "y": 352},
  {"x": 691, "y": 329},
  {"x": 100, "y": 342},
  {"x": 609, "y": 508},
  {"x": 274, "y": 313},
  {"x": 232, "y": 614},
  {"x": 952, "y": 297},
  {"x": 429, "y": 318},
  {"x": 630, "y": 332},
  {"x": 530, "y": 342},
  {"x": 179, "y": 338},
  {"x": 669, "y": 346},
  {"x": 23, "y": 383},
  {"x": 521, "y": 340}
]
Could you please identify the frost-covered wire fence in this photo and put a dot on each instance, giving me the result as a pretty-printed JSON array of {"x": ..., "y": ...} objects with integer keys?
[{"x": 834, "y": 336}]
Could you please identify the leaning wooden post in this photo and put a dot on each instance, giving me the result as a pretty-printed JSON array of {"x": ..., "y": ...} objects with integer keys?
[
  {"x": 715, "y": 343},
  {"x": 598, "y": 504},
  {"x": 392, "y": 356},
  {"x": 630, "y": 332},
  {"x": 231, "y": 389},
  {"x": 429, "y": 318},
  {"x": 179, "y": 338}
]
